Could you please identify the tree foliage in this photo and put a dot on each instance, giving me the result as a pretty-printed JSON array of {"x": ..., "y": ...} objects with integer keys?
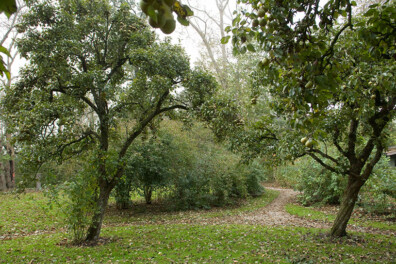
[
  {"x": 330, "y": 76},
  {"x": 94, "y": 68}
]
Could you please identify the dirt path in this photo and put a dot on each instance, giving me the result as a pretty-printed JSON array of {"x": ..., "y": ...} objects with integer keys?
[{"x": 274, "y": 214}]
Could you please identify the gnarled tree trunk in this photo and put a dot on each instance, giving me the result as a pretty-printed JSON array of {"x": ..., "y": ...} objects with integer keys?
[{"x": 349, "y": 199}]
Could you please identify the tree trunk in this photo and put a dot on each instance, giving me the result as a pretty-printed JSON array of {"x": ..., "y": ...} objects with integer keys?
[
  {"x": 148, "y": 191},
  {"x": 11, "y": 152},
  {"x": 348, "y": 203},
  {"x": 38, "y": 182},
  {"x": 3, "y": 183},
  {"x": 97, "y": 218},
  {"x": 8, "y": 179}
]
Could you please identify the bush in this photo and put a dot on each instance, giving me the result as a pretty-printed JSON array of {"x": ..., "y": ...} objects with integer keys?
[
  {"x": 80, "y": 205},
  {"x": 149, "y": 168},
  {"x": 379, "y": 193},
  {"x": 196, "y": 172},
  {"x": 213, "y": 176},
  {"x": 76, "y": 202},
  {"x": 320, "y": 186},
  {"x": 254, "y": 175},
  {"x": 317, "y": 184}
]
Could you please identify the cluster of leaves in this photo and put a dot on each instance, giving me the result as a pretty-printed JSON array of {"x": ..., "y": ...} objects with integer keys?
[{"x": 318, "y": 185}]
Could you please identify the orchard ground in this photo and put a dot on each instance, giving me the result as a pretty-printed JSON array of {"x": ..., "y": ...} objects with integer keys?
[{"x": 267, "y": 229}]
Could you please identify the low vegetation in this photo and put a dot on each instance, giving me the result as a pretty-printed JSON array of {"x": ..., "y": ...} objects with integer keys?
[
  {"x": 129, "y": 236},
  {"x": 319, "y": 214}
]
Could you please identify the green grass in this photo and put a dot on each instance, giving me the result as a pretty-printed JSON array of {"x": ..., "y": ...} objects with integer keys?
[
  {"x": 203, "y": 244},
  {"x": 182, "y": 243},
  {"x": 308, "y": 213},
  {"x": 311, "y": 213},
  {"x": 26, "y": 213}
]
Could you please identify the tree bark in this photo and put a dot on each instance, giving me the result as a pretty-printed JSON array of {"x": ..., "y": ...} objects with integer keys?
[
  {"x": 11, "y": 152},
  {"x": 349, "y": 199},
  {"x": 3, "y": 185},
  {"x": 148, "y": 191},
  {"x": 97, "y": 218},
  {"x": 38, "y": 182}
]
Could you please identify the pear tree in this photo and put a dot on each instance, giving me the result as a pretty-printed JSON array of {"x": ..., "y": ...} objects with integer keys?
[
  {"x": 96, "y": 78},
  {"x": 330, "y": 73}
]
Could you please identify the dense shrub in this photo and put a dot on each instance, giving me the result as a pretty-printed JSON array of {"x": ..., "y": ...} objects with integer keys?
[
  {"x": 320, "y": 186},
  {"x": 149, "y": 167},
  {"x": 379, "y": 193},
  {"x": 254, "y": 175},
  {"x": 317, "y": 184},
  {"x": 195, "y": 171}
]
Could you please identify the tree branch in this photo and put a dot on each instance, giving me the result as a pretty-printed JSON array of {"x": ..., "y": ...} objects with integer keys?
[
  {"x": 330, "y": 168},
  {"x": 325, "y": 155},
  {"x": 173, "y": 107}
]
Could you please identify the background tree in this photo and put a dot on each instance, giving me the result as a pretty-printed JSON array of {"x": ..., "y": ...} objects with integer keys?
[
  {"x": 332, "y": 77},
  {"x": 89, "y": 58},
  {"x": 8, "y": 7},
  {"x": 8, "y": 40}
]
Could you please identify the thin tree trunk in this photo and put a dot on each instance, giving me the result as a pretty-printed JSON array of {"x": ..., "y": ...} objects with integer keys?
[
  {"x": 350, "y": 197},
  {"x": 97, "y": 219},
  {"x": 11, "y": 152},
  {"x": 3, "y": 184},
  {"x": 6, "y": 172},
  {"x": 38, "y": 182}
]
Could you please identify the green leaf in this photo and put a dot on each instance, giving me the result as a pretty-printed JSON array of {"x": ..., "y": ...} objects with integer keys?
[
  {"x": 5, "y": 51},
  {"x": 371, "y": 12},
  {"x": 250, "y": 48},
  {"x": 188, "y": 10},
  {"x": 183, "y": 21},
  {"x": 225, "y": 39},
  {"x": 8, "y": 7}
]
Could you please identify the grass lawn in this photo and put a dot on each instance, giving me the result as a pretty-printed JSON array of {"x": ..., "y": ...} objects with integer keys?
[
  {"x": 203, "y": 244},
  {"x": 26, "y": 213},
  {"x": 152, "y": 241},
  {"x": 311, "y": 213}
]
